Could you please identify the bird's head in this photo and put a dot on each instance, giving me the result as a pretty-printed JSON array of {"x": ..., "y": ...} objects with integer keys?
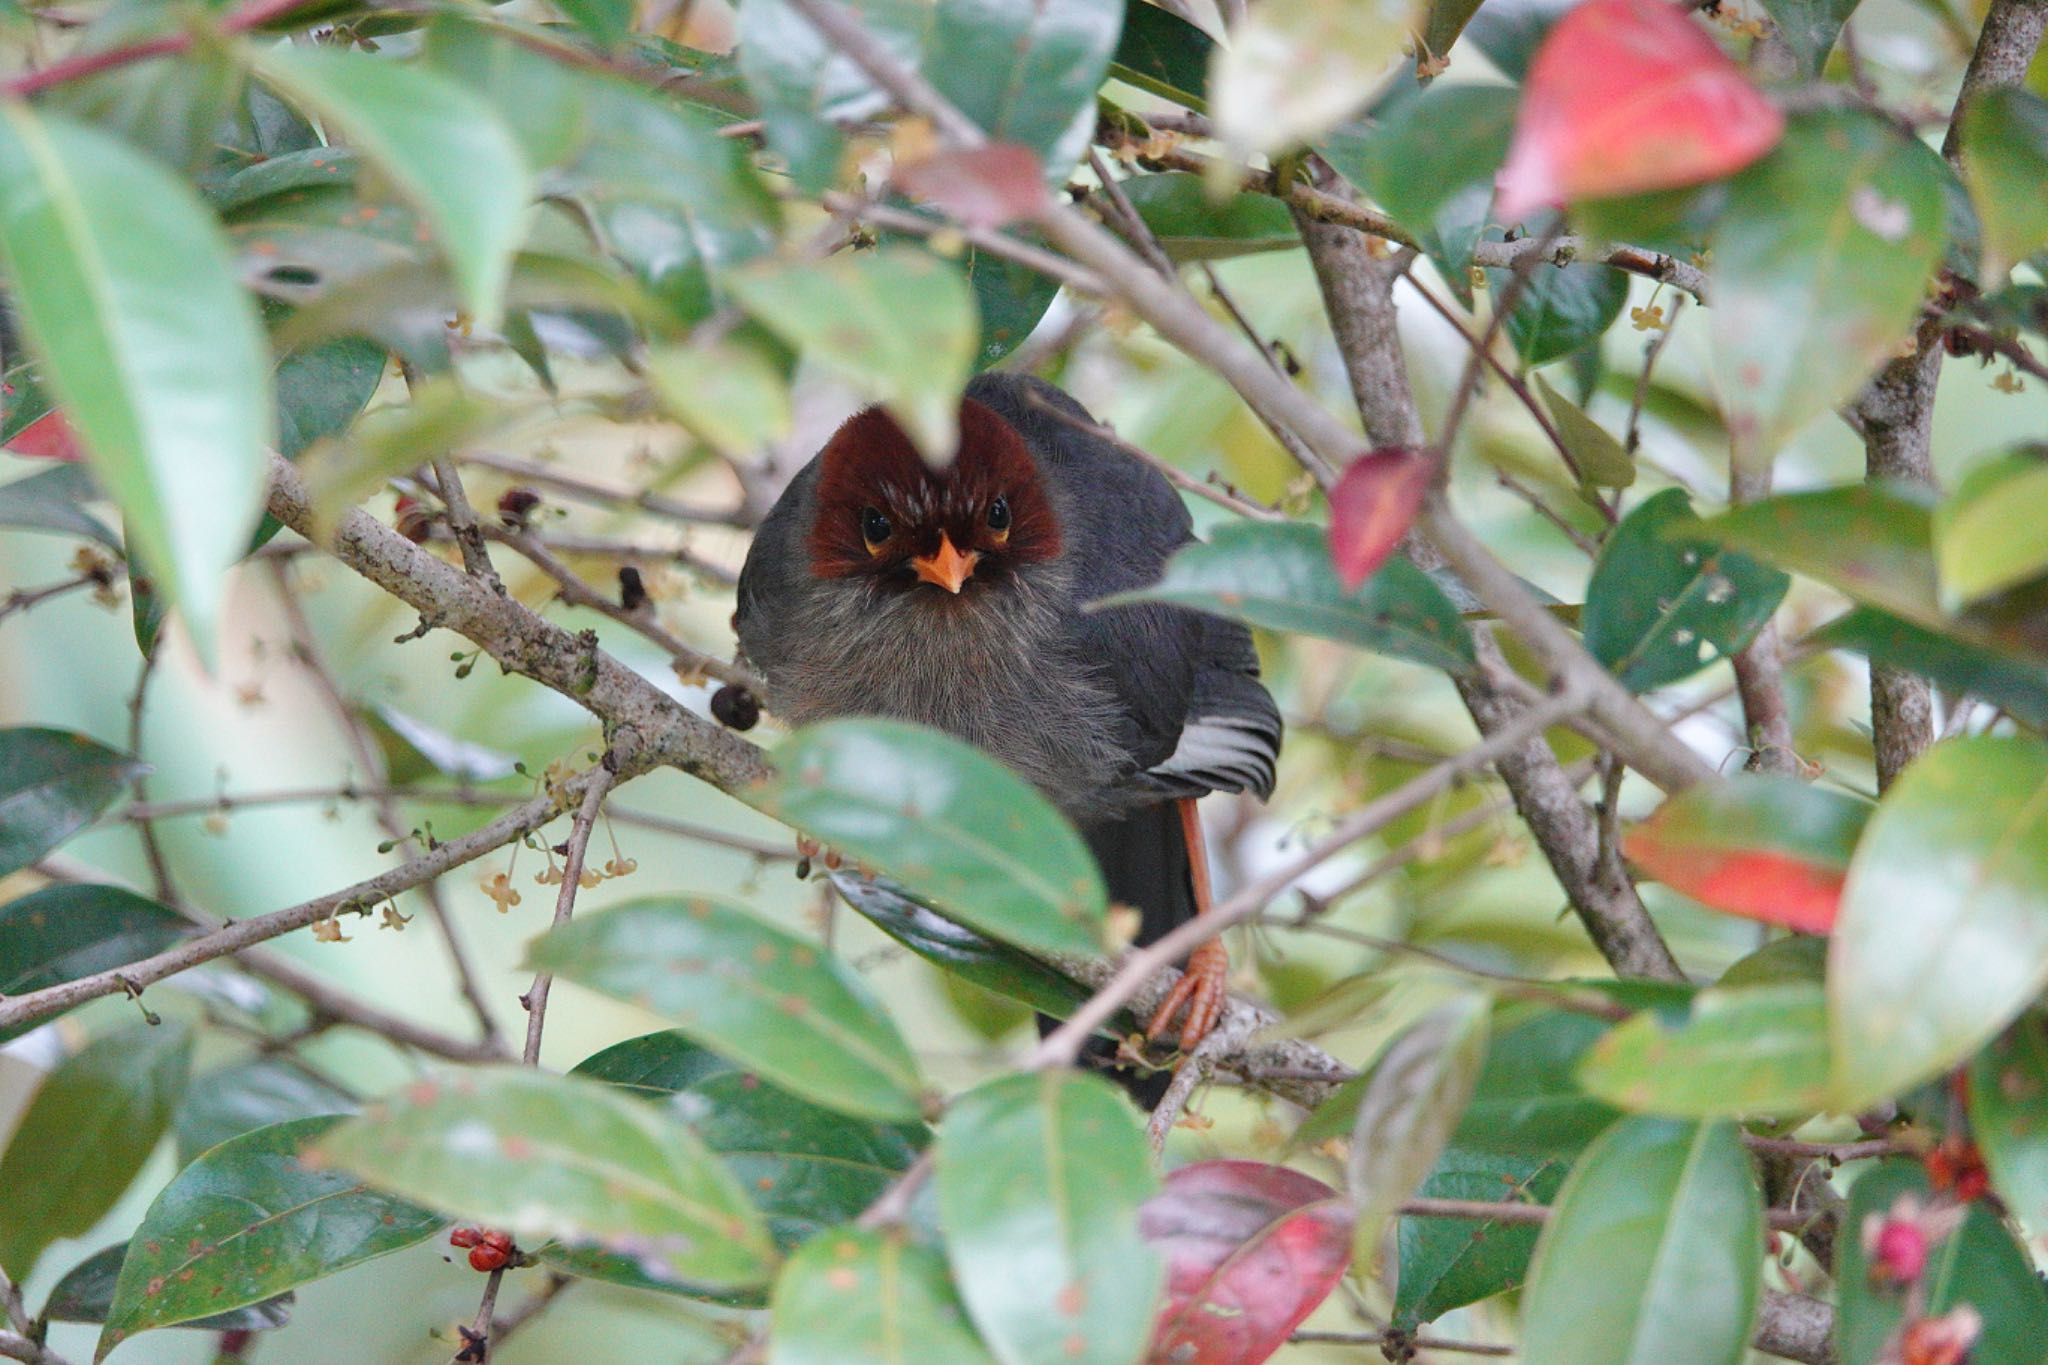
[{"x": 885, "y": 515}]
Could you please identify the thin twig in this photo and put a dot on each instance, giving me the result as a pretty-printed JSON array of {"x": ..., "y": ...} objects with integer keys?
[
  {"x": 536, "y": 997},
  {"x": 27, "y": 599}
]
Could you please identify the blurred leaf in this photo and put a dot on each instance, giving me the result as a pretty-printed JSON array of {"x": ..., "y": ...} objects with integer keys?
[
  {"x": 1009, "y": 300},
  {"x": 61, "y": 933},
  {"x": 1561, "y": 309},
  {"x": 1791, "y": 960},
  {"x": 1411, "y": 1105},
  {"x": 246, "y": 1222},
  {"x": 91, "y": 1125},
  {"x": 53, "y": 783},
  {"x": 1768, "y": 848},
  {"x": 853, "y": 1297},
  {"x": 2018, "y": 687},
  {"x": 2005, "y": 163},
  {"x": 554, "y": 1156},
  {"x": 1372, "y": 505},
  {"x": 1296, "y": 68},
  {"x": 321, "y": 389},
  {"x": 441, "y": 415},
  {"x": 1447, "y": 19},
  {"x": 1527, "y": 1101},
  {"x": 1278, "y": 576},
  {"x": 1870, "y": 541},
  {"x": 767, "y": 999},
  {"x": 1250, "y": 1251},
  {"x": 54, "y": 501},
  {"x": 1943, "y": 936},
  {"x": 948, "y": 820},
  {"x": 440, "y": 145},
  {"x": 1988, "y": 535},
  {"x": 229, "y": 1101},
  {"x": 990, "y": 186},
  {"x": 807, "y": 89},
  {"x": 728, "y": 394},
  {"x": 1446, "y": 1263},
  {"x": 86, "y": 1294},
  {"x": 1653, "y": 1252},
  {"x": 1026, "y": 73},
  {"x": 895, "y": 323},
  {"x": 988, "y": 1015},
  {"x": 1191, "y": 225},
  {"x": 1809, "y": 28},
  {"x": 1164, "y": 54},
  {"x": 1820, "y": 264},
  {"x": 544, "y": 103},
  {"x": 1510, "y": 31},
  {"x": 1040, "y": 1179},
  {"x": 1663, "y": 604},
  {"x": 439, "y": 751},
  {"x": 1603, "y": 461},
  {"x": 806, "y": 1167},
  {"x": 1626, "y": 96},
  {"x": 1978, "y": 1264},
  {"x": 1756, "y": 1052},
  {"x": 2008, "y": 1084},
  {"x": 958, "y": 950},
  {"x": 172, "y": 110},
  {"x": 122, "y": 282},
  {"x": 608, "y": 23}
]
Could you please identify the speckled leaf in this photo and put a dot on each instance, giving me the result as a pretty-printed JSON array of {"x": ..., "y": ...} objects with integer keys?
[
  {"x": 773, "y": 1002},
  {"x": 2009, "y": 1118},
  {"x": 1040, "y": 1179},
  {"x": 1278, "y": 575},
  {"x": 1447, "y": 1263},
  {"x": 946, "y": 819},
  {"x": 61, "y": 933},
  {"x": 1871, "y": 541},
  {"x": 247, "y": 1222},
  {"x": 1758, "y": 1052},
  {"x": 87, "y": 1291},
  {"x": 546, "y": 1156},
  {"x": 869, "y": 1298}
]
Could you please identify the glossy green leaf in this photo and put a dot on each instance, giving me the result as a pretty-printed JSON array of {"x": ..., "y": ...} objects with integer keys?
[
  {"x": 1296, "y": 68},
  {"x": 1446, "y": 1263},
  {"x": 85, "y": 1136},
  {"x": 1010, "y": 299},
  {"x": 1561, "y": 310},
  {"x": 1193, "y": 226},
  {"x": 86, "y": 1294},
  {"x": 1026, "y": 74},
  {"x": 321, "y": 389},
  {"x": 869, "y": 1298},
  {"x": 949, "y": 821},
  {"x": 444, "y": 149},
  {"x": 247, "y": 1221},
  {"x": 1943, "y": 935},
  {"x": 1809, "y": 28},
  {"x": 1978, "y": 1264},
  {"x": 53, "y": 783},
  {"x": 1603, "y": 462},
  {"x": 1527, "y": 1101},
  {"x": 2005, "y": 163},
  {"x": 1663, "y": 603},
  {"x": 1163, "y": 53},
  {"x": 1871, "y": 541},
  {"x": 54, "y": 501},
  {"x": 1278, "y": 575},
  {"x": 1040, "y": 1177},
  {"x": 547, "y": 1156},
  {"x": 1820, "y": 262},
  {"x": 2015, "y": 685},
  {"x": 771, "y": 1001},
  {"x": 2009, "y": 1119},
  {"x": 895, "y": 323},
  {"x": 729, "y": 395},
  {"x": 61, "y": 933},
  {"x": 807, "y": 89},
  {"x": 229, "y": 1101},
  {"x": 1988, "y": 534},
  {"x": 1759, "y": 1052},
  {"x": 1654, "y": 1253},
  {"x": 122, "y": 282}
]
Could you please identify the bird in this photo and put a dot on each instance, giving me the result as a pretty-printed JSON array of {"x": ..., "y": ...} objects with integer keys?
[{"x": 959, "y": 595}]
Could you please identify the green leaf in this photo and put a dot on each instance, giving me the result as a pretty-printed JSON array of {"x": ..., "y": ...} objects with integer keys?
[
  {"x": 1654, "y": 1252},
  {"x": 1191, "y": 225},
  {"x": 1988, "y": 535},
  {"x": 806, "y": 1167},
  {"x": 1009, "y": 298},
  {"x": 1278, "y": 576},
  {"x": 1510, "y": 31},
  {"x": 772, "y": 1002},
  {"x": 946, "y": 819},
  {"x": 555, "y": 1156},
  {"x": 807, "y": 89},
  {"x": 1756, "y": 1052},
  {"x": 1819, "y": 266},
  {"x": 172, "y": 110},
  {"x": 1871, "y": 541},
  {"x": 1446, "y": 1263},
  {"x": 122, "y": 281},
  {"x": 2005, "y": 163},
  {"x": 1603, "y": 461},
  {"x": 1447, "y": 19},
  {"x": 2008, "y": 1083},
  {"x": 247, "y": 1221},
  {"x": 443, "y": 148},
  {"x": 1527, "y": 1101},
  {"x": 53, "y": 783},
  {"x": 1809, "y": 28},
  {"x": 2019, "y": 687},
  {"x": 1663, "y": 604},
  {"x": 608, "y": 23},
  {"x": 85, "y": 1136},
  {"x": 895, "y": 323},
  {"x": 1026, "y": 73},
  {"x": 1978, "y": 1264},
  {"x": 1561, "y": 310},
  {"x": 1039, "y": 1180},
  {"x": 323, "y": 388},
  {"x": 1164, "y": 54},
  {"x": 729, "y": 395},
  {"x": 1294, "y": 69},
  {"x": 229, "y": 1101},
  {"x": 61, "y": 933},
  {"x": 870, "y": 1298},
  {"x": 86, "y": 1294},
  {"x": 1943, "y": 935},
  {"x": 54, "y": 501},
  {"x": 1412, "y": 1103}
]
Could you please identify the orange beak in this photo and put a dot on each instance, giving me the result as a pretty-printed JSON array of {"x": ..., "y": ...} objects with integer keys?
[{"x": 947, "y": 567}]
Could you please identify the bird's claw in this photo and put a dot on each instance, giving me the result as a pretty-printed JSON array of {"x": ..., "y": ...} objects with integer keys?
[{"x": 1197, "y": 998}]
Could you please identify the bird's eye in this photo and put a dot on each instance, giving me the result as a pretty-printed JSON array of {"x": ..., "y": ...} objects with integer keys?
[
  {"x": 999, "y": 515},
  {"x": 874, "y": 528}
]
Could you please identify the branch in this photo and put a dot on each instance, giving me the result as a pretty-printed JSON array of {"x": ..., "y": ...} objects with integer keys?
[
  {"x": 259, "y": 14},
  {"x": 1797, "y": 1327},
  {"x": 536, "y": 997}
]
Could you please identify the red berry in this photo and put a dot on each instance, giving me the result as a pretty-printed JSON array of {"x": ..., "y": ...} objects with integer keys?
[
  {"x": 502, "y": 1241},
  {"x": 488, "y": 1258},
  {"x": 1899, "y": 1256},
  {"x": 464, "y": 1237}
]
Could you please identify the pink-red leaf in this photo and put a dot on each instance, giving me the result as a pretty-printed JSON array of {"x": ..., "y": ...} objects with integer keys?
[
  {"x": 49, "y": 437},
  {"x": 982, "y": 187},
  {"x": 1627, "y": 96},
  {"x": 1250, "y": 1250},
  {"x": 1372, "y": 507}
]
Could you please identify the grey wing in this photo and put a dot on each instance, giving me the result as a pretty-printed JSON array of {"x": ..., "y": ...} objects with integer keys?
[
  {"x": 1230, "y": 740},
  {"x": 774, "y": 574}
]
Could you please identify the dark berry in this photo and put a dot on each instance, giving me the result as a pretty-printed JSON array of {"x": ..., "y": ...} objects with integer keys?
[
  {"x": 735, "y": 708},
  {"x": 632, "y": 590}
]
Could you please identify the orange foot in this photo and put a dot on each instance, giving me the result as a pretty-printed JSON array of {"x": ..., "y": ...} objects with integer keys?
[{"x": 1200, "y": 992}]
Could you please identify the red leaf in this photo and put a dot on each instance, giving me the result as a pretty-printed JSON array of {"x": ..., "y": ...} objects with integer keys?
[
  {"x": 1250, "y": 1250},
  {"x": 1759, "y": 884},
  {"x": 1372, "y": 507},
  {"x": 49, "y": 437},
  {"x": 1767, "y": 848},
  {"x": 985, "y": 187},
  {"x": 1627, "y": 96}
]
